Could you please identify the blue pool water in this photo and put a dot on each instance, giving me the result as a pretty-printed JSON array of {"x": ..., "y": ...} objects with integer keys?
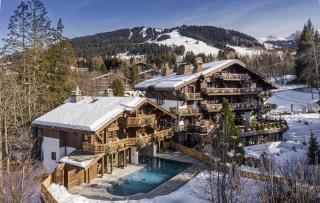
[{"x": 157, "y": 171}]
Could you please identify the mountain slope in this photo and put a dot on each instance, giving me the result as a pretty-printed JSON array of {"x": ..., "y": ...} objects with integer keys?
[{"x": 142, "y": 40}]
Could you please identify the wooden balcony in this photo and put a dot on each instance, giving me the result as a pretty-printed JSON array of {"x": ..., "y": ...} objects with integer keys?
[
  {"x": 186, "y": 112},
  {"x": 244, "y": 106},
  {"x": 126, "y": 142},
  {"x": 231, "y": 91},
  {"x": 191, "y": 96},
  {"x": 202, "y": 127},
  {"x": 211, "y": 107},
  {"x": 269, "y": 128},
  {"x": 269, "y": 107},
  {"x": 139, "y": 120},
  {"x": 234, "y": 106},
  {"x": 234, "y": 77}
]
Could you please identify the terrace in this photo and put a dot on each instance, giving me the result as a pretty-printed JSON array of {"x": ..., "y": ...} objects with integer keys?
[
  {"x": 191, "y": 96},
  {"x": 190, "y": 111},
  {"x": 233, "y": 77},
  {"x": 231, "y": 91},
  {"x": 116, "y": 144},
  {"x": 139, "y": 120}
]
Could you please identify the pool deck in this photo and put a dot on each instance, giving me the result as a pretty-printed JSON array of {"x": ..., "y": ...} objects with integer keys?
[{"x": 97, "y": 189}]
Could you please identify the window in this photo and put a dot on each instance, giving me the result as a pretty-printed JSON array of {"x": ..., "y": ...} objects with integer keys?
[
  {"x": 160, "y": 101},
  {"x": 53, "y": 156}
]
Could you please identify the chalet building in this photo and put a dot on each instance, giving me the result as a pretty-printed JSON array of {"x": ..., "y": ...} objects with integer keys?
[
  {"x": 87, "y": 136},
  {"x": 146, "y": 71},
  {"x": 194, "y": 93},
  {"x": 102, "y": 85}
]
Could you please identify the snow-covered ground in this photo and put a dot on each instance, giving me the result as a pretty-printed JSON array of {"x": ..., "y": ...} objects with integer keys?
[
  {"x": 245, "y": 51},
  {"x": 294, "y": 146},
  {"x": 189, "y": 193},
  {"x": 190, "y": 44}
]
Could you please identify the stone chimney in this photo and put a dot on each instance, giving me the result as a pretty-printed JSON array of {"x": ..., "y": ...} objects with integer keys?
[
  {"x": 166, "y": 71},
  {"x": 197, "y": 65},
  {"x": 76, "y": 95},
  {"x": 183, "y": 69}
]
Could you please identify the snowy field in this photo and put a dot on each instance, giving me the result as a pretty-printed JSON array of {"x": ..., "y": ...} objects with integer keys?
[
  {"x": 294, "y": 146},
  {"x": 198, "y": 47}
]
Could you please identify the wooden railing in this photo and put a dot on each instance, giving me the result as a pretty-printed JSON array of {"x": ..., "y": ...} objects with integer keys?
[
  {"x": 263, "y": 131},
  {"x": 234, "y": 106},
  {"x": 186, "y": 112},
  {"x": 244, "y": 105},
  {"x": 191, "y": 96},
  {"x": 201, "y": 129},
  {"x": 231, "y": 91},
  {"x": 102, "y": 148},
  {"x": 211, "y": 107},
  {"x": 234, "y": 76},
  {"x": 268, "y": 127},
  {"x": 139, "y": 120},
  {"x": 219, "y": 166},
  {"x": 269, "y": 106},
  {"x": 46, "y": 196}
]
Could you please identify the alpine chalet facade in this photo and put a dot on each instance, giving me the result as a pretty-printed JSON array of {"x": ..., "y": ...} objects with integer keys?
[
  {"x": 194, "y": 93},
  {"x": 87, "y": 136}
]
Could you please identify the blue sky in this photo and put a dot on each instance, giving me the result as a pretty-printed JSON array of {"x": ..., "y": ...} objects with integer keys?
[{"x": 254, "y": 17}]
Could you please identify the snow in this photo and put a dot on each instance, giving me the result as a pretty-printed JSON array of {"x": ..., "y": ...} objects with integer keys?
[
  {"x": 127, "y": 56},
  {"x": 283, "y": 80},
  {"x": 185, "y": 194},
  {"x": 130, "y": 35},
  {"x": 244, "y": 51},
  {"x": 190, "y": 44},
  {"x": 280, "y": 152},
  {"x": 89, "y": 114},
  {"x": 82, "y": 164},
  {"x": 294, "y": 146},
  {"x": 300, "y": 98},
  {"x": 173, "y": 80},
  {"x": 144, "y": 32}
]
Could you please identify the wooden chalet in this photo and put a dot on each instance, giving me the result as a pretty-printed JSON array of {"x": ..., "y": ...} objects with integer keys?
[
  {"x": 88, "y": 136},
  {"x": 194, "y": 93},
  {"x": 102, "y": 85}
]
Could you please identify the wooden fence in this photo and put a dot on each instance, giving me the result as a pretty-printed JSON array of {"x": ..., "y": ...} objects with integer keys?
[
  {"x": 45, "y": 193},
  {"x": 216, "y": 165}
]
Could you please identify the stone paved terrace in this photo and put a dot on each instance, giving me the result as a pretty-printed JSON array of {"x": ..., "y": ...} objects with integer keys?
[{"x": 97, "y": 189}]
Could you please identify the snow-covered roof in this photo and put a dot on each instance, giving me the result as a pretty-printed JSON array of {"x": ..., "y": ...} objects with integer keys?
[
  {"x": 90, "y": 114},
  {"x": 173, "y": 81}
]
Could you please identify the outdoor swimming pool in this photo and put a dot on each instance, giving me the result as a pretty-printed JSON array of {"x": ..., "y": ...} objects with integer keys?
[{"x": 154, "y": 174}]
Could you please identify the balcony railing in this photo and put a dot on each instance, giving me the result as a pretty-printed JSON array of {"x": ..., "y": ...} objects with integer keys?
[
  {"x": 186, "y": 112},
  {"x": 234, "y": 106},
  {"x": 139, "y": 120},
  {"x": 120, "y": 143},
  {"x": 202, "y": 127},
  {"x": 211, "y": 107},
  {"x": 234, "y": 77},
  {"x": 269, "y": 106},
  {"x": 191, "y": 96},
  {"x": 265, "y": 129},
  {"x": 244, "y": 105},
  {"x": 231, "y": 91}
]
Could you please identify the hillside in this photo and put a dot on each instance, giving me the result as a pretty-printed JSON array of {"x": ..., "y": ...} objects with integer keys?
[{"x": 141, "y": 40}]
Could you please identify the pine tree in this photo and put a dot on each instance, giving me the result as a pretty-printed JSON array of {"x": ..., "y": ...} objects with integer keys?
[
  {"x": 117, "y": 87},
  {"x": 313, "y": 150},
  {"x": 228, "y": 136},
  {"x": 304, "y": 45}
]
